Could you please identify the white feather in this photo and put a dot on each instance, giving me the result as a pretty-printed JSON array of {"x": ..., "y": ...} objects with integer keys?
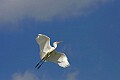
[{"x": 59, "y": 58}]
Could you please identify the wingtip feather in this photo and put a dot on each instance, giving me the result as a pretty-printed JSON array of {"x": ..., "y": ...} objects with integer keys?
[{"x": 64, "y": 64}]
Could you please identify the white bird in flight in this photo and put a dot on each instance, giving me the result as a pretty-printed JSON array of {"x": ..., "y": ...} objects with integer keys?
[{"x": 49, "y": 53}]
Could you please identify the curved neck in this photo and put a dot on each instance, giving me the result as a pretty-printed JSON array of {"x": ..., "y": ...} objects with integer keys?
[{"x": 55, "y": 45}]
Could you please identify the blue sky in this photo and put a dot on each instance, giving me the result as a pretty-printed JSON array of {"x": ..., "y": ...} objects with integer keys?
[{"x": 89, "y": 29}]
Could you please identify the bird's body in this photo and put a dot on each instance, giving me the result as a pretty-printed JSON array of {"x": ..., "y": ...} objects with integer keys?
[{"x": 49, "y": 53}]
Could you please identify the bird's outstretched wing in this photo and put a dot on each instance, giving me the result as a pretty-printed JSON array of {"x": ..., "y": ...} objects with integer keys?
[
  {"x": 44, "y": 44},
  {"x": 59, "y": 58}
]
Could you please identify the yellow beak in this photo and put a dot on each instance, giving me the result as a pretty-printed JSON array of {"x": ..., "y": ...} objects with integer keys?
[{"x": 59, "y": 42}]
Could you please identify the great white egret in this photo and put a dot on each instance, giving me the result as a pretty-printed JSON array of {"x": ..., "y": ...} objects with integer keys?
[{"x": 49, "y": 53}]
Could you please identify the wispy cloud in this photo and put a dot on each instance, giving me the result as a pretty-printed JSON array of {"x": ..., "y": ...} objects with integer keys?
[
  {"x": 73, "y": 75},
  {"x": 14, "y": 10},
  {"x": 25, "y": 76},
  {"x": 28, "y": 75}
]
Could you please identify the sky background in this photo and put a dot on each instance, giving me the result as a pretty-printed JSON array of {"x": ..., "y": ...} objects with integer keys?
[{"x": 89, "y": 29}]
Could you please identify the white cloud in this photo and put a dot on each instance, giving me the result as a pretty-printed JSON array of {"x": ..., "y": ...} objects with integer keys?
[
  {"x": 73, "y": 75},
  {"x": 25, "y": 76},
  {"x": 13, "y": 10}
]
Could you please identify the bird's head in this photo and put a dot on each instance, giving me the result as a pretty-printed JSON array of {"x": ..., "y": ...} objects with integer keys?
[{"x": 56, "y": 43}]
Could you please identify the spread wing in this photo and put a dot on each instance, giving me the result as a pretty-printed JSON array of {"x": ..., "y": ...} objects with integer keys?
[
  {"x": 44, "y": 44},
  {"x": 59, "y": 58}
]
